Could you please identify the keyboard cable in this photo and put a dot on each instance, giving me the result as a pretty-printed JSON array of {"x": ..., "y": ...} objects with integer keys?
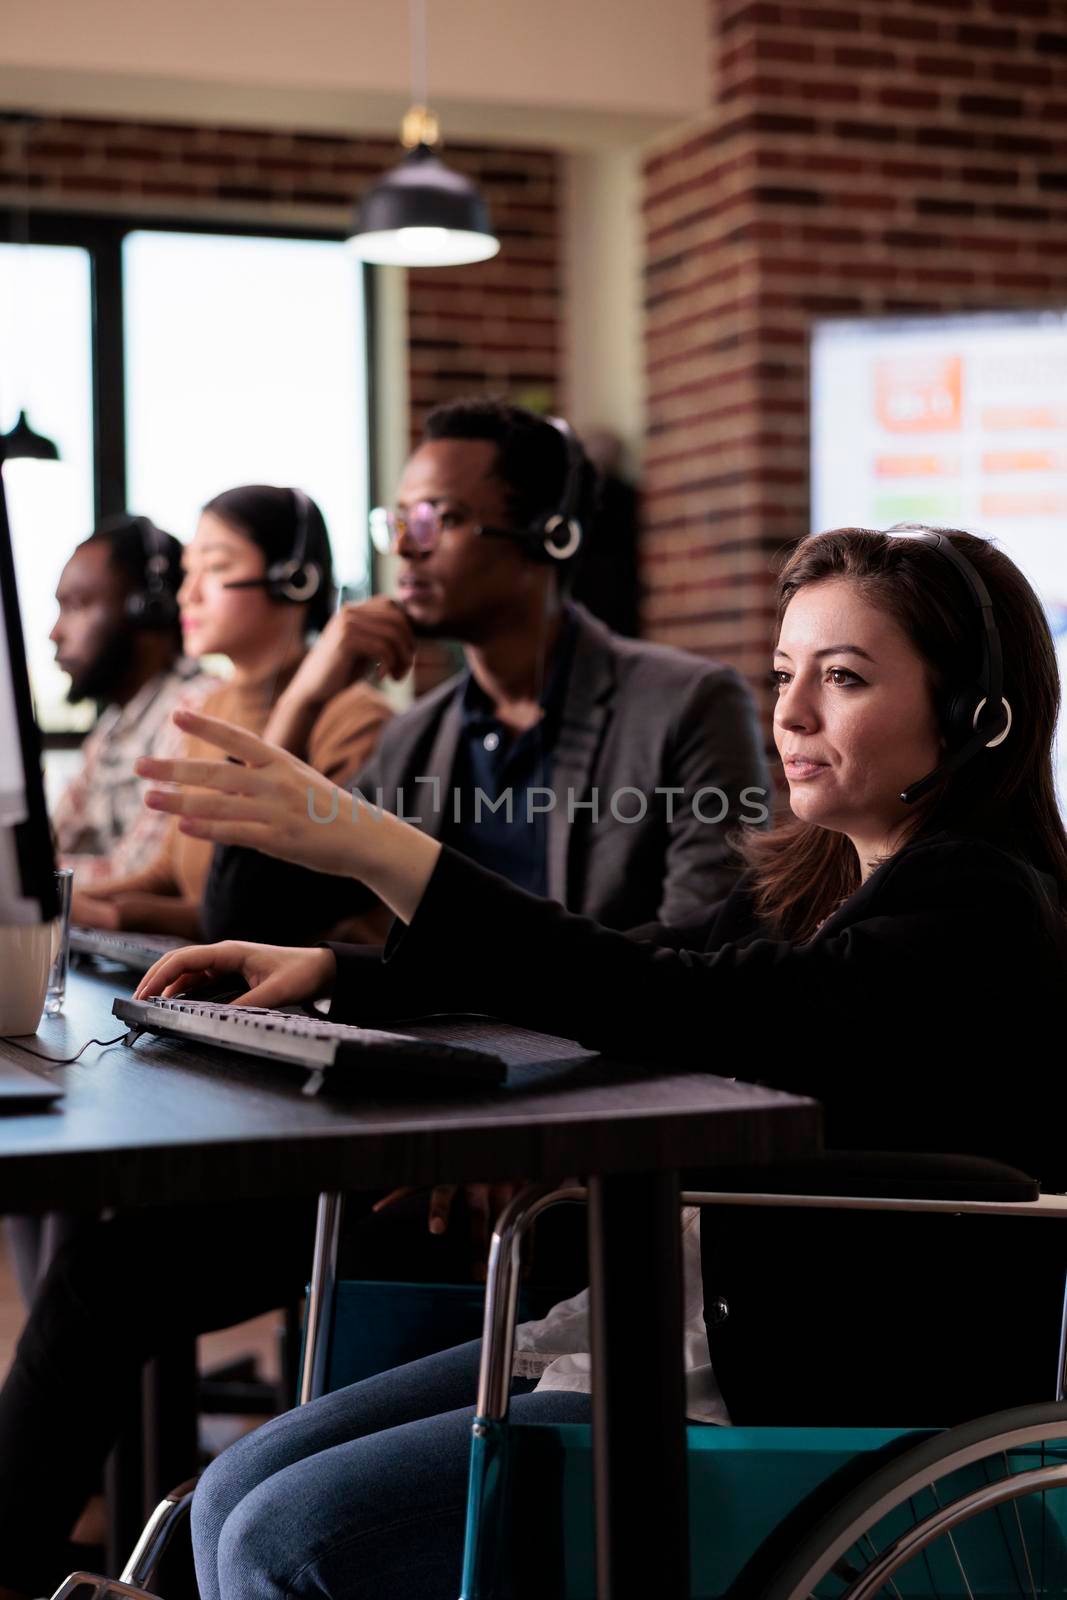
[{"x": 65, "y": 1061}]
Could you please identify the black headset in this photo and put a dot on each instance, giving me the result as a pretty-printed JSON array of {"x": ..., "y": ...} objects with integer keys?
[
  {"x": 296, "y": 580},
  {"x": 977, "y": 716},
  {"x": 156, "y": 604},
  {"x": 557, "y": 534}
]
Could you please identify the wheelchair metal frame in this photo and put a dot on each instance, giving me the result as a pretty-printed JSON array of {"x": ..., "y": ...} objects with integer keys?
[
  {"x": 489, "y": 1429},
  {"x": 502, "y": 1284},
  {"x": 488, "y": 1432},
  {"x": 140, "y": 1570}
]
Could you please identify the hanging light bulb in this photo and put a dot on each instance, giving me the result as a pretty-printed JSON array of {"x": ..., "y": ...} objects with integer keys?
[
  {"x": 23, "y": 442},
  {"x": 422, "y": 213}
]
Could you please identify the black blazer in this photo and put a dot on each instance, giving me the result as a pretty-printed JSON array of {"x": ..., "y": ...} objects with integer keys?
[
  {"x": 636, "y": 716},
  {"x": 922, "y": 1015}
]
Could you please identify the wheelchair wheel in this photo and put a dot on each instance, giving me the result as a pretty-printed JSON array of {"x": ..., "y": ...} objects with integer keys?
[{"x": 976, "y": 1513}]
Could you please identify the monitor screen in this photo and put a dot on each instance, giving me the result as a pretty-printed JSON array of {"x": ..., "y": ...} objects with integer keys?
[
  {"x": 956, "y": 421},
  {"x": 27, "y": 888}
]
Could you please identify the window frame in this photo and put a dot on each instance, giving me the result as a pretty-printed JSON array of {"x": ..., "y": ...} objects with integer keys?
[{"x": 102, "y": 237}]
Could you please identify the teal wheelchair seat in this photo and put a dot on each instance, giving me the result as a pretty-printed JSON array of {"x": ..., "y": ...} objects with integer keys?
[
  {"x": 744, "y": 1485},
  {"x": 752, "y": 1491}
]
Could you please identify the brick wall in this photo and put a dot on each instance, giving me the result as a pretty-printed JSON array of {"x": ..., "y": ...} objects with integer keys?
[
  {"x": 496, "y": 325},
  {"x": 860, "y": 157}
]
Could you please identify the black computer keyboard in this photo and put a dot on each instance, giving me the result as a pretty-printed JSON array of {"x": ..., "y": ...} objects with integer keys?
[
  {"x": 328, "y": 1051},
  {"x": 139, "y": 951}
]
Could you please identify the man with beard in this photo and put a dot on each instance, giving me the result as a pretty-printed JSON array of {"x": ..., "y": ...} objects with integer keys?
[{"x": 118, "y": 636}]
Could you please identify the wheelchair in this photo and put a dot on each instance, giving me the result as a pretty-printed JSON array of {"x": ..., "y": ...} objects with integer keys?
[{"x": 975, "y": 1511}]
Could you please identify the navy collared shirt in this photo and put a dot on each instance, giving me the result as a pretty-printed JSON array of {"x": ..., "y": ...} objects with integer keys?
[{"x": 495, "y": 814}]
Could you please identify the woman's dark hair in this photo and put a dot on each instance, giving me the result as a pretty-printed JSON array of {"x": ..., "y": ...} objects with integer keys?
[
  {"x": 531, "y": 455},
  {"x": 801, "y": 872},
  {"x": 270, "y": 517}
]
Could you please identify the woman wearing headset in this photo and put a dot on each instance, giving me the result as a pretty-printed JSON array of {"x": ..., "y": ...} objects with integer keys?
[
  {"x": 894, "y": 930},
  {"x": 258, "y": 579}
]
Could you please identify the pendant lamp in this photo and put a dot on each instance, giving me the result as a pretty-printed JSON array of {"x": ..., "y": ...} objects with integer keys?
[
  {"x": 23, "y": 443},
  {"x": 422, "y": 213}
]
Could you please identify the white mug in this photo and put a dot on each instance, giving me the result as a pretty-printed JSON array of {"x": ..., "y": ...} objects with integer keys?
[{"x": 25, "y": 959}]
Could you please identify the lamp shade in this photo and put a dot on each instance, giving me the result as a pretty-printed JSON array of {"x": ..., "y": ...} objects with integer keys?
[
  {"x": 423, "y": 214},
  {"x": 22, "y": 443}
]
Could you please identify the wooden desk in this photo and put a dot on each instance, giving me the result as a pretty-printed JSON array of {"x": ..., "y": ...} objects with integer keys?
[{"x": 170, "y": 1123}]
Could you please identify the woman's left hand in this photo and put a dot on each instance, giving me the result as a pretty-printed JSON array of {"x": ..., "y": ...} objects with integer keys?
[
  {"x": 266, "y": 799},
  {"x": 91, "y": 910},
  {"x": 485, "y": 1203}
]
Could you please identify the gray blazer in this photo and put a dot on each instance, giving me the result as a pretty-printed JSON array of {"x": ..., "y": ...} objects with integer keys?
[{"x": 666, "y": 745}]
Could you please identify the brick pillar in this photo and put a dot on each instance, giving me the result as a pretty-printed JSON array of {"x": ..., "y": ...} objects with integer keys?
[{"x": 860, "y": 158}]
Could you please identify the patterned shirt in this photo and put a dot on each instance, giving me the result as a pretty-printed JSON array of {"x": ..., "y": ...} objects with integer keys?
[{"x": 102, "y": 828}]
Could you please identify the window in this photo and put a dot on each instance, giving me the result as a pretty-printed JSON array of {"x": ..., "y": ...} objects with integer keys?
[
  {"x": 169, "y": 364},
  {"x": 46, "y": 370},
  {"x": 245, "y": 363}
]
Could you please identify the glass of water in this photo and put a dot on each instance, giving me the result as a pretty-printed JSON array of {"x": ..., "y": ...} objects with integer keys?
[{"x": 57, "y": 977}]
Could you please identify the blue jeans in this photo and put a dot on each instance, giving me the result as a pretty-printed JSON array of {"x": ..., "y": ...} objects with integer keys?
[{"x": 360, "y": 1495}]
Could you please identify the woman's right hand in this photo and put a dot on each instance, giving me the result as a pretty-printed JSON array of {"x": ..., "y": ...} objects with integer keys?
[
  {"x": 357, "y": 637},
  {"x": 276, "y": 975},
  {"x": 268, "y": 799}
]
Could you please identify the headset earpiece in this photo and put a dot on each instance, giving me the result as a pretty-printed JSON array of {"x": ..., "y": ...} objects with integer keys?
[
  {"x": 293, "y": 581},
  {"x": 156, "y": 605},
  {"x": 978, "y": 717},
  {"x": 967, "y": 716},
  {"x": 557, "y": 536},
  {"x": 562, "y": 537},
  {"x": 959, "y": 715},
  {"x": 1005, "y": 719},
  {"x": 297, "y": 580}
]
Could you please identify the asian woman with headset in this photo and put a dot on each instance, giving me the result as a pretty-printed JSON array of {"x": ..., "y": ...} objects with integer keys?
[
  {"x": 894, "y": 934},
  {"x": 258, "y": 579}
]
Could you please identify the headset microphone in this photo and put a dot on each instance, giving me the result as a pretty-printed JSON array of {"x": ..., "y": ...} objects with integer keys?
[
  {"x": 969, "y": 725},
  {"x": 973, "y": 747},
  {"x": 297, "y": 579}
]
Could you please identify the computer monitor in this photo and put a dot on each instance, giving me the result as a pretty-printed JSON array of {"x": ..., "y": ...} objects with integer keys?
[
  {"x": 956, "y": 421},
  {"x": 27, "y": 866}
]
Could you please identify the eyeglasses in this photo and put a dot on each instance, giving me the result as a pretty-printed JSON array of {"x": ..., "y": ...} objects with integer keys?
[{"x": 422, "y": 525}]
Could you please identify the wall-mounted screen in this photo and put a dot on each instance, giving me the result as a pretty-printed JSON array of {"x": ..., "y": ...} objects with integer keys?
[{"x": 955, "y": 421}]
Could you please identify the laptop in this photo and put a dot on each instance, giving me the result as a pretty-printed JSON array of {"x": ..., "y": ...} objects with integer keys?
[{"x": 21, "y": 1087}]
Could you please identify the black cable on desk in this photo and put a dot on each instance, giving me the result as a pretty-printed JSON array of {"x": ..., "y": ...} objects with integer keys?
[{"x": 64, "y": 1061}]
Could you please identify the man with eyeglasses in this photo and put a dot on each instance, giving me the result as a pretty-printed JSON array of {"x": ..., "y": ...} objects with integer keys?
[{"x": 606, "y": 773}]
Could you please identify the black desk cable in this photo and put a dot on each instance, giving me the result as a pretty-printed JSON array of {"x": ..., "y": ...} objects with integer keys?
[{"x": 65, "y": 1061}]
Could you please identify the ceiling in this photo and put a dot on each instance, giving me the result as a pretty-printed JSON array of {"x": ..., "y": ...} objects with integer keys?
[{"x": 579, "y": 73}]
